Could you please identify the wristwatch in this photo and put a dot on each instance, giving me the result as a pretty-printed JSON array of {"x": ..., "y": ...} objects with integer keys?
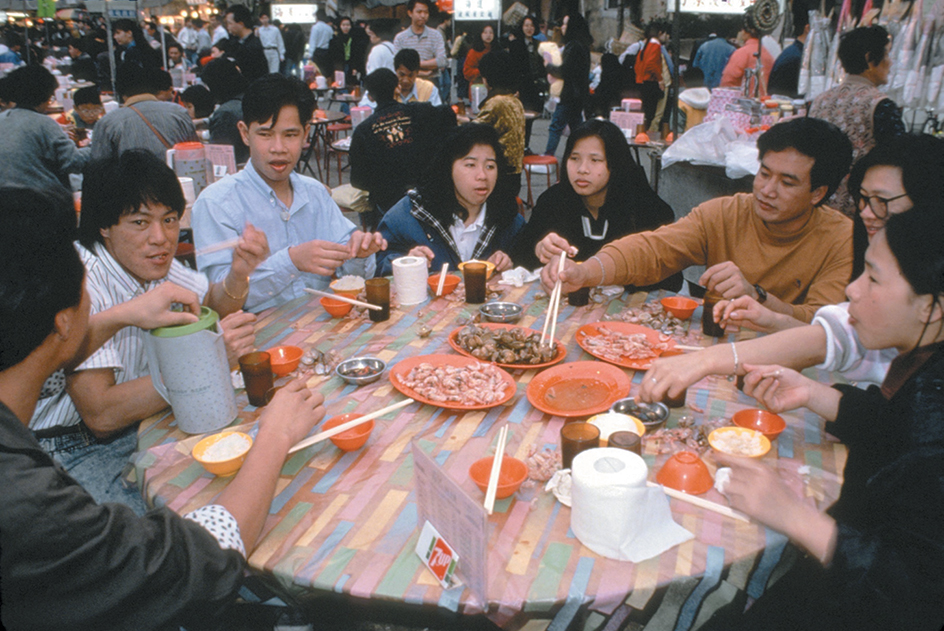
[{"x": 761, "y": 294}]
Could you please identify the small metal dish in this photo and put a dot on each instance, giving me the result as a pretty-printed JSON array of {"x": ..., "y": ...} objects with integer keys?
[
  {"x": 652, "y": 415},
  {"x": 504, "y": 312},
  {"x": 360, "y": 370}
]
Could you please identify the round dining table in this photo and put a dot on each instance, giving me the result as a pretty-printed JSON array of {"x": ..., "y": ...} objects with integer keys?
[{"x": 347, "y": 523}]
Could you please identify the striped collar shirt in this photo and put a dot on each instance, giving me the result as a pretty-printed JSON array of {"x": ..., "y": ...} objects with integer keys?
[
  {"x": 429, "y": 44},
  {"x": 109, "y": 284}
]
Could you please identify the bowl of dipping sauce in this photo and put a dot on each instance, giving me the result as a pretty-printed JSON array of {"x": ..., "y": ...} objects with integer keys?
[
  {"x": 352, "y": 439},
  {"x": 679, "y": 306},
  {"x": 284, "y": 359},
  {"x": 612, "y": 422},
  {"x": 513, "y": 473},
  {"x": 767, "y": 423},
  {"x": 336, "y": 308},
  {"x": 349, "y": 286},
  {"x": 222, "y": 454},
  {"x": 739, "y": 441},
  {"x": 502, "y": 312},
  {"x": 449, "y": 285},
  {"x": 651, "y": 415},
  {"x": 360, "y": 371}
]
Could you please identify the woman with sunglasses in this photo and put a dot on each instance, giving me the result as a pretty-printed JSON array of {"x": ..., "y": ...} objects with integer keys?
[{"x": 890, "y": 179}]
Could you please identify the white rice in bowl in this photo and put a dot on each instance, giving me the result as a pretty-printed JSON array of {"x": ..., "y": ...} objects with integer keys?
[
  {"x": 227, "y": 448},
  {"x": 348, "y": 283}
]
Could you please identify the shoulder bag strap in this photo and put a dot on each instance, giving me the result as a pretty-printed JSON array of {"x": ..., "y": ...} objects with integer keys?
[{"x": 148, "y": 123}]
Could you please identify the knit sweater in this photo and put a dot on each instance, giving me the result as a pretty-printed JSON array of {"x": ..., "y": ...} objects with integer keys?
[{"x": 808, "y": 269}]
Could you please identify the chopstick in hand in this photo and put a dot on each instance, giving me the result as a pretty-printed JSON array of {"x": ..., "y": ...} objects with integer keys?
[
  {"x": 343, "y": 427},
  {"x": 442, "y": 279},
  {"x": 496, "y": 470},
  {"x": 554, "y": 305}
]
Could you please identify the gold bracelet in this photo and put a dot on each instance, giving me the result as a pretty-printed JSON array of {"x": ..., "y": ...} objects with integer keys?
[{"x": 226, "y": 291}]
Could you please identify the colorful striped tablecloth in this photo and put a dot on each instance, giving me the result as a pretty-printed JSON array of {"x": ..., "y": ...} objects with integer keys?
[{"x": 347, "y": 522}]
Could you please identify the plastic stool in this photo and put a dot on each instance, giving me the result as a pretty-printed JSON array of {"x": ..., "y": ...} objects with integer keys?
[{"x": 548, "y": 163}]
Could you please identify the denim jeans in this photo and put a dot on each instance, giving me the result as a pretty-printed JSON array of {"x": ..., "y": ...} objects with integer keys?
[
  {"x": 99, "y": 466},
  {"x": 564, "y": 115}
]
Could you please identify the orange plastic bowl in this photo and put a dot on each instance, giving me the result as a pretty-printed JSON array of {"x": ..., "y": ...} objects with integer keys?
[
  {"x": 284, "y": 359},
  {"x": 685, "y": 472},
  {"x": 350, "y": 293},
  {"x": 449, "y": 286},
  {"x": 679, "y": 306},
  {"x": 767, "y": 423},
  {"x": 221, "y": 467},
  {"x": 336, "y": 308},
  {"x": 513, "y": 473},
  {"x": 353, "y": 438}
]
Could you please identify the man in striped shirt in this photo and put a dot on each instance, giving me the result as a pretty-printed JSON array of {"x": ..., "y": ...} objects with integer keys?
[
  {"x": 130, "y": 226},
  {"x": 426, "y": 41}
]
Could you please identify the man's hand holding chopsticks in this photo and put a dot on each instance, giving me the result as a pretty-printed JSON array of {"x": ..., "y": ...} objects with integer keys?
[{"x": 363, "y": 244}]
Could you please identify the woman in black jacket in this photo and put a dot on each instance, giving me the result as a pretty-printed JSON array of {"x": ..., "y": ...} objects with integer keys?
[
  {"x": 604, "y": 197},
  {"x": 529, "y": 67},
  {"x": 875, "y": 558}
]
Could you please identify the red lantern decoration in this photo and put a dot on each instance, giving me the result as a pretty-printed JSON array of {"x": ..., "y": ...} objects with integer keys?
[{"x": 444, "y": 5}]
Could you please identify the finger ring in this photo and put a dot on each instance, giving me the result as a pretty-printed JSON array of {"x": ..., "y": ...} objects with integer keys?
[{"x": 653, "y": 379}]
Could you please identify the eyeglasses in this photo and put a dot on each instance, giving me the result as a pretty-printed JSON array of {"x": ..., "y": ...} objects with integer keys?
[{"x": 879, "y": 205}]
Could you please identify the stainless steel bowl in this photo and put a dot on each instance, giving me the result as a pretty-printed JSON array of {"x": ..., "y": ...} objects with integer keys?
[
  {"x": 360, "y": 370},
  {"x": 652, "y": 415},
  {"x": 504, "y": 312}
]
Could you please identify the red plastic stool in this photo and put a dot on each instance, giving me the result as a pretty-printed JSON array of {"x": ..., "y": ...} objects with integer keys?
[{"x": 530, "y": 162}]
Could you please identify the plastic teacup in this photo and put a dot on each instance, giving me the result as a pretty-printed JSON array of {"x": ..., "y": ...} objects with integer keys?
[
  {"x": 378, "y": 293},
  {"x": 257, "y": 375},
  {"x": 577, "y": 437}
]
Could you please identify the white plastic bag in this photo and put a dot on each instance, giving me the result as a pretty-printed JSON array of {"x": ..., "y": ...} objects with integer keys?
[{"x": 706, "y": 143}]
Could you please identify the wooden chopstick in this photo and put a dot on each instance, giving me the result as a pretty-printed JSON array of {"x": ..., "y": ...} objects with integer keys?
[
  {"x": 328, "y": 433},
  {"x": 697, "y": 501},
  {"x": 442, "y": 279},
  {"x": 356, "y": 303},
  {"x": 553, "y": 305},
  {"x": 683, "y": 347},
  {"x": 218, "y": 247},
  {"x": 496, "y": 470},
  {"x": 560, "y": 287}
]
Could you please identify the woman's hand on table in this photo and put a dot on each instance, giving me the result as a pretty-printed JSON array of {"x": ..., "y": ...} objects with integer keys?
[
  {"x": 552, "y": 245},
  {"x": 239, "y": 335},
  {"x": 501, "y": 260},
  {"x": 572, "y": 278},
  {"x": 251, "y": 251},
  {"x": 779, "y": 389},
  {"x": 726, "y": 279},
  {"x": 671, "y": 375},
  {"x": 424, "y": 252},
  {"x": 292, "y": 413},
  {"x": 746, "y": 312},
  {"x": 363, "y": 244}
]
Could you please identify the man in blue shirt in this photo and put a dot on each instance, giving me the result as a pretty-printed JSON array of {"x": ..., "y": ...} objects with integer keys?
[
  {"x": 309, "y": 238},
  {"x": 712, "y": 57}
]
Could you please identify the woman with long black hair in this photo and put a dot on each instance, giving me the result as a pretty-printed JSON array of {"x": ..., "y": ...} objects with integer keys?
[
  {"x": 529, "y": 67},
  {"x": 456, "y": 213},
  {"x": 604, "y": 197}
]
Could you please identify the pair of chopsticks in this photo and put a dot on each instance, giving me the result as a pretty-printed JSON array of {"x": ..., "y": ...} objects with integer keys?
[
  {"x": 554, "y": 305},
  {"x": 218, "y": 247},
  {"x": 343, "y": 427},
  {"x": 496, "y": 469},
  {"x": 442, "y": 279},
  {"x": 356, "y": 303},
  {"x": 697, "y": 501}
]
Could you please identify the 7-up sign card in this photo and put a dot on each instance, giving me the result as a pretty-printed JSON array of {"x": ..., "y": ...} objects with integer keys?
[{"x": 438, "y": 555}]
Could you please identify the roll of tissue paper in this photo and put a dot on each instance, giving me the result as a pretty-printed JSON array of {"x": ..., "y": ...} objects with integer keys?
[
  {"x": 409, "y": 279},
  {"x": 614, "y": 513}
]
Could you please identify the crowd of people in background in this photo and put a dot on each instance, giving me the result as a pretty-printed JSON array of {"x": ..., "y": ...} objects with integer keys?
[{"x": 444, "y": 184}]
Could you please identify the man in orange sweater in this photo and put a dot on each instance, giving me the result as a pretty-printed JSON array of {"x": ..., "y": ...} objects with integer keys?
[{"x": 778, "y": 245}]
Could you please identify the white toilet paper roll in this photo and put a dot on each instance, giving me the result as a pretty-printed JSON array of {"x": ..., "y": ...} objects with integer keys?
[
  {"x": 613, "y": 512},
  {"x": 409, "y": 279}
]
